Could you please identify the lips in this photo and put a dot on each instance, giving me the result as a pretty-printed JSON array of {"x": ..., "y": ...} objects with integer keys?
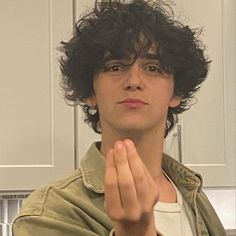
[{"x": 133, "y": 103}]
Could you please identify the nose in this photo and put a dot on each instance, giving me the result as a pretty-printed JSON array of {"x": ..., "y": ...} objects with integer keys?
[{"x": 133, "y": 80}]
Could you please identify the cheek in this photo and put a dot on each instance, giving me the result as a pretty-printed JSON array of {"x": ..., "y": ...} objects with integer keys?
[
  {"x": 103, "y": 98},
  {"x": 164, "y": 95},
  {"x": 169, "y": 88},
  {"x": 165, "y": 90}
]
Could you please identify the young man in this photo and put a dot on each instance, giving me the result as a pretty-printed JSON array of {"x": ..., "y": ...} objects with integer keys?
[{"x": 132, "y": 68}]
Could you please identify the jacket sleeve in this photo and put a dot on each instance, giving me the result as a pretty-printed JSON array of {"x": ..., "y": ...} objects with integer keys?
[{"x": 38, "y": 226}]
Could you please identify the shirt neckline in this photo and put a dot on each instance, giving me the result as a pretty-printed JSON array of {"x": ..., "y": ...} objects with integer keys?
[{"x": 171, "y": 207}]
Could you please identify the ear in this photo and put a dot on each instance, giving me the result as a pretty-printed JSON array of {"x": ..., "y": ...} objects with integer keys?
[
  {"x": 91, "y": 101},
  {"x": 175, "y": 101}
]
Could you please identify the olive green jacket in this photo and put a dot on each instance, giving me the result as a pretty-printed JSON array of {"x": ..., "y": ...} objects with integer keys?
[{"x": 74, "y": 205}]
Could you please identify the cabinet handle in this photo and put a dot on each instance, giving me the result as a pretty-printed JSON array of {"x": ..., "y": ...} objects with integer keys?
[{"x": 178, "y": 134}]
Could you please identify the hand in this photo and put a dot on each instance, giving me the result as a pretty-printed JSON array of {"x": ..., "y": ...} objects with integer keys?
[{"x": 130, "y": 191}]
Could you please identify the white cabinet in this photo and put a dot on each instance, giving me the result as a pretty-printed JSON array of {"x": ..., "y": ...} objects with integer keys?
[
  {"x": 36, "y": 127},
  {"x": 209, "y": 127}
]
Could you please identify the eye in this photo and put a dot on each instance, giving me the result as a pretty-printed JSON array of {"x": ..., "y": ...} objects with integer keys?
[
  {"x": 153, "y": 69},
  {"x": 114, "y": 68}
]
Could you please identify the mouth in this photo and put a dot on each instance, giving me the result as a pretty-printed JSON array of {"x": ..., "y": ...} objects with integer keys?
[{"x": 133, "y": 103}]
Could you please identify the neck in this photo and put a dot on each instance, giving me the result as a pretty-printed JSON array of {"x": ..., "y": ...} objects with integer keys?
[{"x": 149, "y": 146}]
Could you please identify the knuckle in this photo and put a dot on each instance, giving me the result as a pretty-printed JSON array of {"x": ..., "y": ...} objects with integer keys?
[
  {"x": 110, "y": 183},
  {"x": 115, "y": 214},
  {"x": 126, "y": 184},
  {"x": 134, "y": 215},
  {"x": 147, "y": 208},
  {"x": 139, "y": 177}
]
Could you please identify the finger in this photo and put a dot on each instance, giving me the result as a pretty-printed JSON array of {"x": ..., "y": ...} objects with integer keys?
[
  {"x": 125, "y": 178},
  {"x": 137, "y": 168},
  {"x": 113, "y": 203},
  {"x": 145, "y": 186},
  {"x": 135, "y": 160}
]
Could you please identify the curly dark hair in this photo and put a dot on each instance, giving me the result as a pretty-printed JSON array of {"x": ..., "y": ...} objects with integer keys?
[{"x": 114, "y": 27}]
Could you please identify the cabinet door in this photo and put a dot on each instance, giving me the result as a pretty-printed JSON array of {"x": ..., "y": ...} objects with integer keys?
[
  {"x": 36, "y": 126},
  {"x": 208, "y": 128},
  {"x": 84, "y": 134}
]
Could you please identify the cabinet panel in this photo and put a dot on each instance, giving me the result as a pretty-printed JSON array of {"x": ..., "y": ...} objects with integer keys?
[
  {"x": 208, "y": 128},
  {"x": 84, "y": 134},
  {"x": 36, "y": 139}
]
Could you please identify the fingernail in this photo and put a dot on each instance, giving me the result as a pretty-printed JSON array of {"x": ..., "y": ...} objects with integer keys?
[
  {"x": 119, "y": 145},
  {"x": 128, "y": 142}
]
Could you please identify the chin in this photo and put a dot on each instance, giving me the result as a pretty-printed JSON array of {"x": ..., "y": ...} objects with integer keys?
[{"x": 132, "y": 129}]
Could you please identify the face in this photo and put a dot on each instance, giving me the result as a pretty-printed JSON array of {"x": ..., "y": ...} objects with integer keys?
[{"x": 133, "y": 97}]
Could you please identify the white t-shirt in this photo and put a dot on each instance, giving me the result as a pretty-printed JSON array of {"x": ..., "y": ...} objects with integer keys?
[{"x": 174, "y": 218}]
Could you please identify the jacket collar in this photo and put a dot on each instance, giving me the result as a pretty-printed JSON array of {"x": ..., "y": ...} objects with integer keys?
[
  {"x": 186, "y": 180},
  {"x": 93, "y": 168}
]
